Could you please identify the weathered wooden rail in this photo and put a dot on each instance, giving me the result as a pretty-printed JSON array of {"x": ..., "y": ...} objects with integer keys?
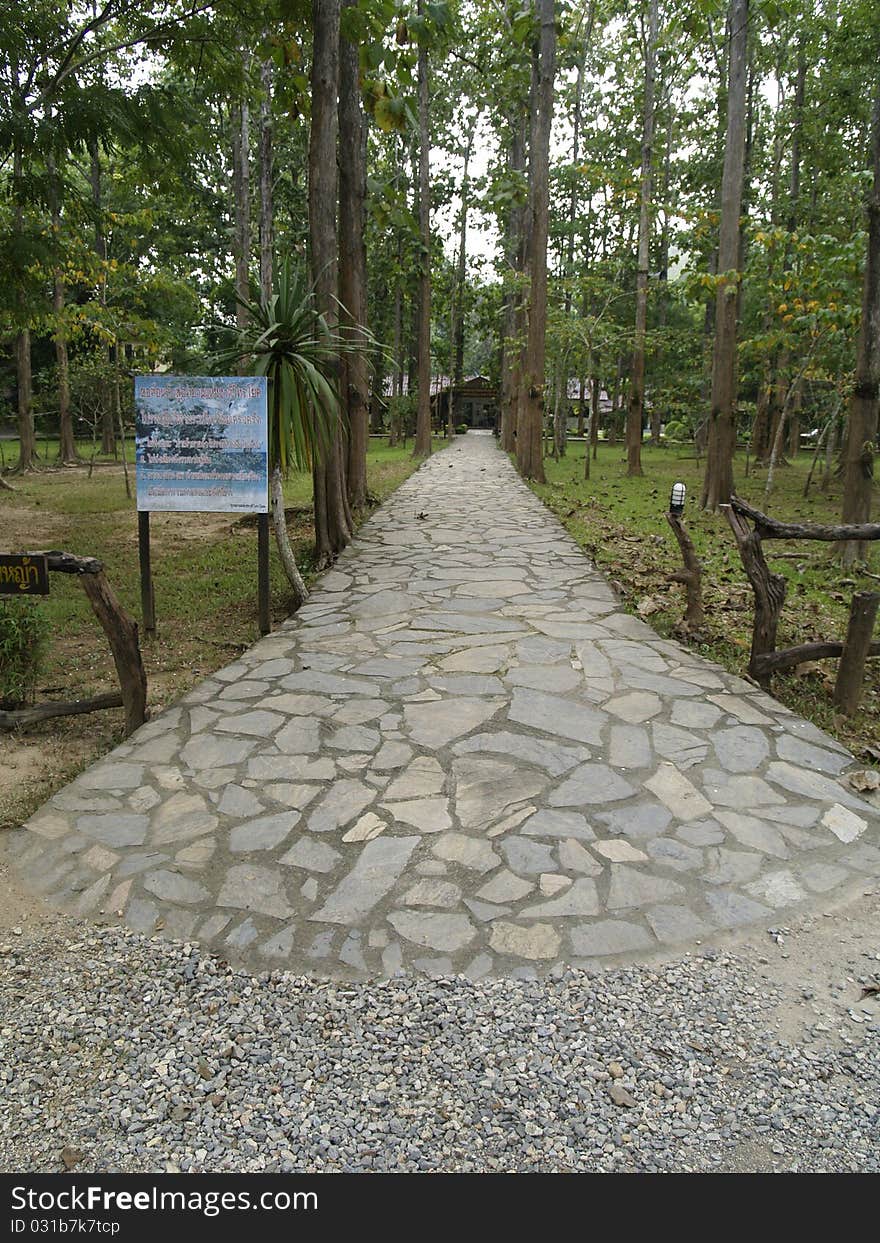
[
  {"x": 122, "y": 635},
  {"x": 769, "y": 591}
]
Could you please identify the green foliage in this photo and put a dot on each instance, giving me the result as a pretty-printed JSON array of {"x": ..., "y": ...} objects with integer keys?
[
  {"x": 288, "y": 341},
  {"x": 23, "y": 635},
  {"x": 462, "y": 429}
]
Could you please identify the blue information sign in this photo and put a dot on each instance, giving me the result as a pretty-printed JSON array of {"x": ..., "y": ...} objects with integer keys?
[{"x": 202, "y": 443}]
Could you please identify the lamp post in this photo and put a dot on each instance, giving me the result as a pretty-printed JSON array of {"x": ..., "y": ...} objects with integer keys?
[{"x": 676, "y": 499}]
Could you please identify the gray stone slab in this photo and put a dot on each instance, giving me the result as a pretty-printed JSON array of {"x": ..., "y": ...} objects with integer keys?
[{"x": 378, "y": 866}]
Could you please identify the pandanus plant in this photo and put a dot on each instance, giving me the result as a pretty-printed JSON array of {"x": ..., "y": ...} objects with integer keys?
[{"x": 290, "y": 342}]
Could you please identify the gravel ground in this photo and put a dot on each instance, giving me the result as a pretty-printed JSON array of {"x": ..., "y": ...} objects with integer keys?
[{"x": 145, "y": 1055}]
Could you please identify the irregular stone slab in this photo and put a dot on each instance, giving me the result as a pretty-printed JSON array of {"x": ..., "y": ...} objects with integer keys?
[
  {"x": 486, "y": 788},
  {"x": 436, "y": 932},
  {"x": 618, "y": 851},
  {"x": 181, "y": 817},
  {"x": 378, "y": 866},
  {"x": 820, "y": 877},
  {"x": 554, "y": 757},
  {"x": 754, "y": 833},
  {"x": 631, "y": 888},
  {"x": 574, "y": 858},
  {"x": 680, "y": 746},
  {"x": 505, "y": 887},
  {"x": 215, "y": 751},
  {"x": 694, "y": 714},
  {"x": 608, "y": 936},
  {"x": 391, "y": 756},
  {"x": 777, "y": 889},
  {"x": 555, "y": 715},
  {"x": 790, "y": 747},
  {"x": 744, "y": 711},
  {"x": 115, "y": 829},
  {"x": 540, "y": 941},
  {"x": 260, "y": 724},
  {"x": 249, "y": 887},
  {"x": 581, "y": 899},
  {"x": 428, "y": 815},
  {"x": 345, "y": 800},
  {"x": 311, "y": 855},
  {"x": 702, "y": 833},
  {"x": 676, "y": 924},
  {"x": 751, "y": 792},
  {"x": 354, "y": 738},
  {"x": 555, "y": 679},
  {"x": 470, "y": 852},
  {"x": 238, "y": 802},
  {"x": 433, "y": 892},
  {"x": 630, "y": 747},
  {"x": 438, "y": 723},
  {"x": 731, "y": 867},
  {"x": 558, "y": 824},
  {"x": 551, "y": 883},
  {"x": 591, "y": 783},
  {"x": 675, "y": 855},
  {"x": 368, "y": 827},
  {"x": 423, "y": 777},
  {"x": 112, "y": 776},
  {"x": 741, "y": 749},
  {"x": 844, "y": 824},
  {"x": 636, "y": 820},
  {"x": 679, "y": 794},
  {"x": 732, "y": 910},
  {"x": 172, "y": 887},
  {"x": 299, "y": 737},
  {"x": 264, "y": 833},
  {"x": 814, "y": 786},
  {"x": 526, "y": 857}
]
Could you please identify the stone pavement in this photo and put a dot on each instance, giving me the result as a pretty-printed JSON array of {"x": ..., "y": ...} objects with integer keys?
[{"x": 459, "y": 756}]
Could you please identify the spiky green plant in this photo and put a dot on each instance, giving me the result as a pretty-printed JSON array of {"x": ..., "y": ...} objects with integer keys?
[{"x": 288, "y": 341}]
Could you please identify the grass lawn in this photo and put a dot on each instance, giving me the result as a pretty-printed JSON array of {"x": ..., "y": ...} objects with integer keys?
[
  {"x": 205, "y": 577},
  {"x": 621, "y": 523}
]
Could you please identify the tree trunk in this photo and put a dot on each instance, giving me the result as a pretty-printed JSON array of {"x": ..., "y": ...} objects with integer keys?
[
  {"x": 282, "y": 539},
  {"x": 108, "y": 430},
  {"x": 865, "y": 399},
  {"x": 635, "y": 421},
  {"x": 528, "y": 449},
  {"x": 458, "y": 373},
  {"x": 27, "y": 441},
  {"x": 514, "y": 253},
  {"x": 422, "y": 445},
  {"x": 267, "y": 207},
  {"x": 241, "y": 195},
  {"x": 67, "y": 453},
  {"x": 718, "y": 480},
  {"x": 332, "y": 529},
  {"x": 353, "y": 266}
]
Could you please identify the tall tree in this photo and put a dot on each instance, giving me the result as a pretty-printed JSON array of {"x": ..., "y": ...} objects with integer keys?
[
  {"x": 865, "y": 399},
  {"x": 636, "y": 413},
  {"x": 718, "y": 479},
  {"x": 355, "y": 390},
  {"x": 422, "y": 445},
  {"x": 530, "y": 422},
  {"x": 332, "y": 522}
]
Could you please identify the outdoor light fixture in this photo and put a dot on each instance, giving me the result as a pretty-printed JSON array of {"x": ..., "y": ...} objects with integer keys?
[{"x": 676, "y": 499}]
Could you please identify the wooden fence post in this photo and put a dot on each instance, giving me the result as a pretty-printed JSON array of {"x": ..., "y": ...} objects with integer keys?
[
  {"x": 691, "y": 575},
  {"x": 856, "y": 646}
]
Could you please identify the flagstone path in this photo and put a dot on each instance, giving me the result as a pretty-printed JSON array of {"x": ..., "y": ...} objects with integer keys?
[{"x": 460, "y": 755}]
